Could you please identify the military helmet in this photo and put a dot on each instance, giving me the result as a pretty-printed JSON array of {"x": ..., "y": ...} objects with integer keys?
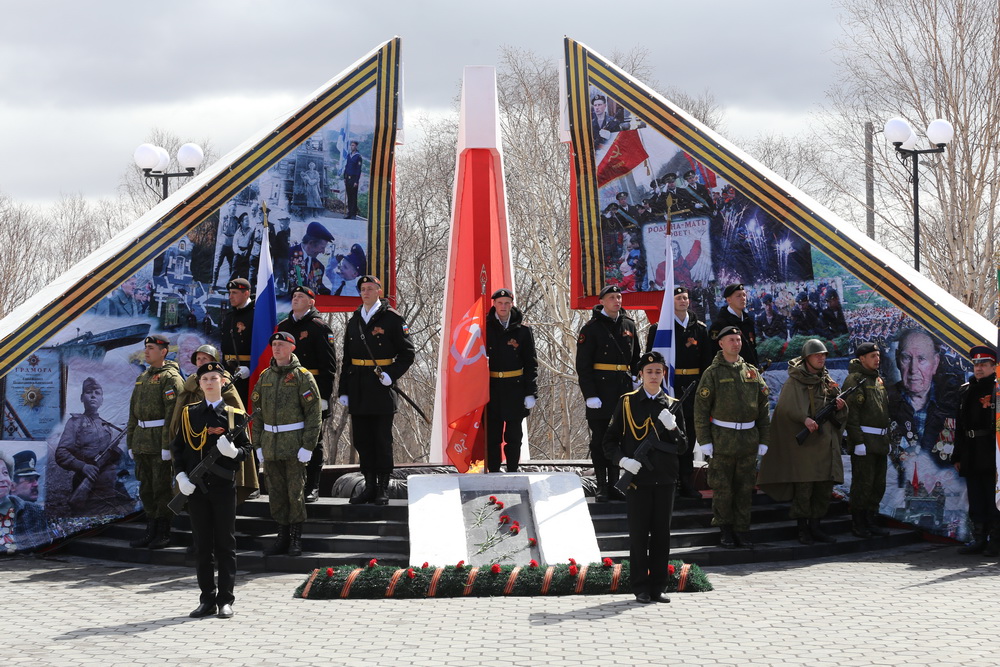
[{"x": 813, "y": 346}]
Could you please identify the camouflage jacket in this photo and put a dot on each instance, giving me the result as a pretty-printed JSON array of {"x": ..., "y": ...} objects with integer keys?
[
  {"x": 153, "y": 398},
  {"x": 869, "y": 407},
  {"x": 285, "y": 395},
  {"x": 733, "y": 393}
]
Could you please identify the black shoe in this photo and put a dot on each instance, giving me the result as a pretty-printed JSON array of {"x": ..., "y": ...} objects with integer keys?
[
  {"x": 225, "y": 611},
  {"x": 295, "y": 540},
  {"x": 147, "y": 537},
  {"x": 368, "y": 495},
  {"x": 859, "y": 526},
  {"x": 728, "y": 538},
  {"x": 203, "y": 610},
  {"x": 659, "y": 597},
  {"x": 382, "y": 489},
  {"x": 602, "y": 495},
  {"x": 312, "y": 495},
  {"x": 280, "y": 545},
  {"x": 873, "y": 527},
  {"x": 643, "y": 598},
  {"x": 818, "y": 534},
  {"x": 805, "y": 537},
  {"x": 162, "y": 538},
  {"x": 743, "y": 540}
]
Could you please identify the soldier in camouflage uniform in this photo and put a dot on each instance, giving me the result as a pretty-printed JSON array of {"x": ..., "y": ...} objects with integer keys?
[
  {"x": 867, "y": 439},
  {"x": 731, "y": 421},
  {"x": 153, "y": 398},
  {"x": 287, "y": 418}
]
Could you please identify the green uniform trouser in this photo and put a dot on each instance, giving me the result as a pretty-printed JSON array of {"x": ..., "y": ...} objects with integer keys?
[
  {"x": 810, "y": 500},
  {"x": 285, "y": 491},
  {"x": 732, "y": 479},
  {"x": 867, "y": 481},
  {"x": 155, "y": 484}
]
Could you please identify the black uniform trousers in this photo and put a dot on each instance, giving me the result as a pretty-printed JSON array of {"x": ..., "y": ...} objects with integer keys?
[
  {"x": 499, "y": 430},
  {"x": 982, "y": 508},
  {"x": 685, "y": 461},
  {"x": 605, "y": 470},
  {"x": 372, "y": 436},
  {"x": 650, "y": 508},
  {"x": 213, "y": 525}
]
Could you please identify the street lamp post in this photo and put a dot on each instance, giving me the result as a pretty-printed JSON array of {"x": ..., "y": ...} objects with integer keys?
[
  {"x": 904, "y": 139},
  {"x": 154, "y": 161}
]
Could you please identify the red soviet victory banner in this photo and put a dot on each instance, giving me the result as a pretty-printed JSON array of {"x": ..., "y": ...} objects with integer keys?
[
  {"x": 624, "y": 155},
  {"x": 468, "y": 387}
]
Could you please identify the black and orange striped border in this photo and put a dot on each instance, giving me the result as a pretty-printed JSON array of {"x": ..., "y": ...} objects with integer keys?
[
  {"x": 584, "y": 67},
  {"x": 380, "y": 70}
]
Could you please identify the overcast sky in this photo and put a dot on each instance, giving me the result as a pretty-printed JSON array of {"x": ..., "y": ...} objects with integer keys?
[{"x": 82, "y": 84}]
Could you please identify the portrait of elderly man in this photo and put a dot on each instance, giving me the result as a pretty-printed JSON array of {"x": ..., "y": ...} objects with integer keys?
[{"x": 22, "y": 523}]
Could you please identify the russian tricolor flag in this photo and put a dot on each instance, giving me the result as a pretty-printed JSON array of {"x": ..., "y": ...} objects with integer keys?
[
  {"x": 265, "y": 313},
  {"x": 663, "y": 341}
]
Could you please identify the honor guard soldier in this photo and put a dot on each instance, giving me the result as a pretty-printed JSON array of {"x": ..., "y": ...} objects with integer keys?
[
  {"x": 377, "y": 352},
  {"x": 731, "y": 421},
  {"x": 867, "y": 439},
  {"x": 734, "y": 314},
  {"x": 975, "y": 451},
  {"x": 237, "y": 332},
  {"x": 639, "y": 415},
  {"x": 153, "y": 398},
  {"x": 606, "y": 352},
  {"x": 212, "y": 506},
  {"x": 510, "y": 347},
  {"x": 286, "y": 425},
  {"x": 693, "y": 352},
  {"x": 316, "y": 351}
]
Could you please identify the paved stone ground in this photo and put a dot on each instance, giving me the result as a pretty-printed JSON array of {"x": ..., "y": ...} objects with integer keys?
[{"x": 918, "y": 605}]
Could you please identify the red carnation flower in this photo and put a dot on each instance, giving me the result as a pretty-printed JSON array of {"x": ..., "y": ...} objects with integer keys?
[
  {"x": 329, "y": 571},
  {"x": 460, "y": 564},
  {"x": 499, "y": 504},
  {"x": 495, "y": 568},
  {"x": 671, "y": 569},
  {"x": 532, "y": 541},
  {"x": 424, "y": 566},
  {"x": 572, "y": 561},
  {"x": 410, "y": 573},
  {"x": 493, "y": 500},
  {"x": 573, "y": 570},
  {"x": 607, "y": 562},
  {"x": 504, "y": 519},
  {"x": 515, "y": 529},
  {"x": 533, "y": 563},
  {"x": 373, "y": 562}
]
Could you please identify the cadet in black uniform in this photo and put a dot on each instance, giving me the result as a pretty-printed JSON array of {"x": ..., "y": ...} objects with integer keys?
[
  {"x": 734, "y": 314},
  {"x": 606, "y": 352},
  {"x": 510, "y": 347},
  {"x": 236, "y": 332},
  {"x": 213, "y": 513},
  {"x": 377, "y": 352},
  {"x": 316, "y": 351}
]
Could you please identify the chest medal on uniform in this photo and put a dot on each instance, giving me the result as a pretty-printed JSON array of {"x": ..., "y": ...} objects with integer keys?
[
  {"x": 303, "y": 335},
  {"x": 751, "y": 374},
  {"x": 290, "y": 378},
  {"x": 378, "y": 331},
  {"x": 513, "y": 343},
  {"x": 241, "y": 327}
]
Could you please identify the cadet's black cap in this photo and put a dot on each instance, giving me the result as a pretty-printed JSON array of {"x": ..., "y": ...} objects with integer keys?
[
  {"x": 621, "y": 194},
  {"x": 680, "y": 289},
  {"x": 865, "y": 348},
  {"x": 24, "y": 464},
  {"x": 670, "y": 176},
  {"x": 653, "y": 357},
  {"x": 766, "y": 298},
  {"x": 726, "y": 331},
  {"x": 211, "y": 367},
  {"x": 802, "y": 296},
  {"x": 728, "y": 292},
  {"x": 502, "y": 292},
  {"x": 688, "y": 173},
  {"x": 981, "y": 353},
  {"x": 368, "y": 279},
  {"x": 318, "y": 231},
  {"x": 609, "y": 289},
  {"x": 157, "y": 340},
  {"x": 302, "y": 289},
  {"x": 283, "y": 336},
  {"x": 239, "y": 283}
]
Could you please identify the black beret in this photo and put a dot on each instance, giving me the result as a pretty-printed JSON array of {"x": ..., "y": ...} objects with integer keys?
[
  {"x": 302, "y": 289},
  {"x": 368, "y": 279},
  {"x": 609, "y": 289},
  {"x": 502, "y": 292},
  {"x": 680, "y": 290},
  {"x": 283, "y": 336},
  {"x": 728, "y": 292},
  {"x": 726, "y": 331},
  {"x": 318, "y": 231},
  {"x": 239, "y": 283},
  {"x": 157, "y": 340},
  {"x": 865, "y": 348},
  {"x": 653, "y": 357},
  {"x": 211, "y": 367},
  {"x": 982, "y": 353}
]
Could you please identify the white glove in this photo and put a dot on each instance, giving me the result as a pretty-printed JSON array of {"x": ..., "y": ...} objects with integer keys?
[
  {"x": 529, "y": 402},
  {"x": 260, "y": 454},
  {"x": 184, "y": 485},
  {"x": 324, "y": 404},
  {"x": 385, "y": 379},
  {"x": 165, "y": 454},
  {"x": 707, "y": 449},
  {"x": 631, "y": 465},
  {"x": 242, "y": 372},
  {"x": 668, "y": 420},
  {"x": 343, "y": 401},
  {"x": 304, "y": 455},
  {"x": 227, "y": 448},
  {"x": 594, "y": 403},
  {"x": 636, "y": 383},
  {"x": 761, "y": 450},
  {"x": 860, "y": 450},
  {"x": 605, "y": 134}
]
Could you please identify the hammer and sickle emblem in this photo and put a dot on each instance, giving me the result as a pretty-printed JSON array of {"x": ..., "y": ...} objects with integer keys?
[{"x": 467, "y": 345}]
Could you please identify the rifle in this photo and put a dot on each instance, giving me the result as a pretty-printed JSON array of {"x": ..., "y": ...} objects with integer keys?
[
  {"x": 826, "y": 413},
  {"x": 83, "y": 487},
  {"x": 393, "y": 387},
  {"x": 641, "y": 453},
  {"x": 207, "y": 465}
]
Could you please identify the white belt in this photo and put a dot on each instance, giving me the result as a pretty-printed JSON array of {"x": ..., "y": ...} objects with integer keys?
[
  {"x": 874, "y": 431},
  {"x": 736, "y": 426},
  {"x": 281, "y": 428},
  {"x": 152, "y": 424}
]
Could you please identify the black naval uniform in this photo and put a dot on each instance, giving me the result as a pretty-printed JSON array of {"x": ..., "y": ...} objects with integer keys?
[
  {"x": 213, "y": 514},
  {"x": 650, "y": 501},
  {"x": 748, "y": 333},
  {"x": 975, "y": 452},
  {"x": 316, "y": 351},
  {"x": 370, "y": 403},
  {"x": 513, "y": 376},
  {"x": 606, "y": 353},
  {"x": 237, "y": 331}
]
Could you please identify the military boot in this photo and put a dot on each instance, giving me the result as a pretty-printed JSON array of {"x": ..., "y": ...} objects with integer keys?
[
  {"x": 382, "y": 489},
  {"x": 147, "y": 537},
  {"x": 728, "y": 538},
  {"x": 805, "y": 536},
  {"x": 280, "y": 545},
  {"x": 978, "y": 543},
  {"x": 295, "y": 539},
  {"x": 993, "y": 547},
  {"x": 368, "y": 495},
  {"x": 859, "y": 525},
  {"x": 162, "y": 538},
  {"x": 873, "y": 527},
  {"x": 817, "y": 532},
  {"x": 743, "y": 539}
]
